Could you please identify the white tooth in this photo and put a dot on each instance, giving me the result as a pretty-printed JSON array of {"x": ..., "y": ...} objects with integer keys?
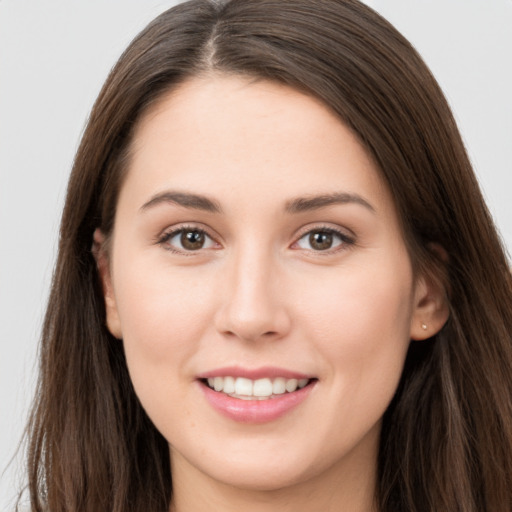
[
  {"x": 301, "y": 383},
  {"x": 291, "y": 385},
  {"x": 262, "y": 387},
  {"x": 218, "y": 383},
  {"x": 229, "y": 385},
  {"x": 243, "y": 386},
  {"x": 210, "y": 382},
  {"x": 278, "y": 386}
]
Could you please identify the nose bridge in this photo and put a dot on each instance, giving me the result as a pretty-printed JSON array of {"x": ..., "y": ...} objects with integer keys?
[{"x": 253, "y": 307}]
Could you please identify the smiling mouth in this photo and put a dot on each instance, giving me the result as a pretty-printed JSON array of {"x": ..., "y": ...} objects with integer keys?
[{"x": 259, "y": 389}]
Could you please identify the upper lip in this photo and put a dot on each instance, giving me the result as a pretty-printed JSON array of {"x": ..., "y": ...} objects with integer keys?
[{"x": 270, "y": 372}]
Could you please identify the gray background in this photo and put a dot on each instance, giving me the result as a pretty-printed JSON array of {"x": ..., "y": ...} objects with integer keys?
[{"x": 54, "y": 56}]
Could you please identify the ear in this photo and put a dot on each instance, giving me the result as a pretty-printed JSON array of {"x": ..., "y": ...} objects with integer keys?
[
  {"x": 103, "y": 264},
  {"x": 431, "y": 305}
]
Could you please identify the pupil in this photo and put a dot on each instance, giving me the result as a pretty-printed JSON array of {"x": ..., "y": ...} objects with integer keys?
[
  {"x": 320, "y": 240},
  {"x": 192, "y": 240}
]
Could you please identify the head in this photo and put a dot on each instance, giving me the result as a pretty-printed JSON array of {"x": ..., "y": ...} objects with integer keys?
[{"x": 351, "y": 69}]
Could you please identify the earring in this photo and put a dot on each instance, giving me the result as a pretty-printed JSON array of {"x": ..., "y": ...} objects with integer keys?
[{"x": 424, "y": 326}]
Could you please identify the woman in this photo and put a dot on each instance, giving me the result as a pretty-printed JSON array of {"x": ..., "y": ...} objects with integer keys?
[{"x": 278, "y": 286}]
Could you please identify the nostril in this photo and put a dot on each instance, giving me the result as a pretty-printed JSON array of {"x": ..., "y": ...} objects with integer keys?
[{"x": 250, "y": 321}]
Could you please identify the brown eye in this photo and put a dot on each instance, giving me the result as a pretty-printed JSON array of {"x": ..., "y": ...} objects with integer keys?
[
  {"x": 320, "y": 240},
  {"x": 323, "y": 240},
  {"x": 192, "y": 240},
  {"x": 187, "y": 240}
]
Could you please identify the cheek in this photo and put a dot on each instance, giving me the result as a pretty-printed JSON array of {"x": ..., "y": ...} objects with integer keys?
[
  {"x": 361, "y": 323},
  {"x": 164, "y": 313}
]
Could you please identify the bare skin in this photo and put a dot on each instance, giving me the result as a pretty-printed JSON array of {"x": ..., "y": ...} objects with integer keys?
[{"x": 254, "y": 231}]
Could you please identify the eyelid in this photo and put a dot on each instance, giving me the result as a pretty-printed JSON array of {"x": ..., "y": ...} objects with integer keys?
[
  {"x": 168, "y": 233},
  {"x": 348, "y": 239},
  {"x": 326, "y": 226}
]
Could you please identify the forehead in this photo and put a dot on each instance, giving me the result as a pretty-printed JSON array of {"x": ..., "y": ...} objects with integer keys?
[{"x": 219, "y": 133}]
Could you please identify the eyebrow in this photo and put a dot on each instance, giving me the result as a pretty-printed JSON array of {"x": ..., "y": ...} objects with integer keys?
[
  {"x": 297, "y": 205},
  {"x": 304, "y": 204},
  {"x": 185, "y": 199}
]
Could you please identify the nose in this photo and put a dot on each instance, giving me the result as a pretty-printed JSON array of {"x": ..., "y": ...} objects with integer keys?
[{"x": 252, "y": 299}]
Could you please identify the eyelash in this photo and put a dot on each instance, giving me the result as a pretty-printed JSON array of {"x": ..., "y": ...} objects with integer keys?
[
  {"x": 169, "y": 235},
  {"x": 345, "y": 240}
]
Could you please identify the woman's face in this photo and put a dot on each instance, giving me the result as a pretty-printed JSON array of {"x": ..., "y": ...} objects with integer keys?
[{"x": 256, "y": 250}]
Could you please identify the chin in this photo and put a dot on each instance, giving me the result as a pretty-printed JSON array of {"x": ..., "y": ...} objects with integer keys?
[
  {"x": 260, "y": 466},
  {"x": 261, "y": 477}
]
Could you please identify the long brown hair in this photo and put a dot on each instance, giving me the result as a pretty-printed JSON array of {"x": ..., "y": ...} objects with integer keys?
[{"x": 446, "y": 442}]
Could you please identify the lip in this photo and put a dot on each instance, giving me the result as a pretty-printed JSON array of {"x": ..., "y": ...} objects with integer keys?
[
  {"x": 270, "y": 372},
  {"x": 254, "y": 411}
]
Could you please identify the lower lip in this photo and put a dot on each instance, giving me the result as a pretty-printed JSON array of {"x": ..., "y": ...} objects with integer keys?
[{"x": 255, "y": 411}]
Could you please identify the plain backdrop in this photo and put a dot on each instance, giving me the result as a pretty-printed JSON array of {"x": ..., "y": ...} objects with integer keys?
[{"x": 54, "y": 56}]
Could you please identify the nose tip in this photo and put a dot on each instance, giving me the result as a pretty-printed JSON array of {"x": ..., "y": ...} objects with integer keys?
[
  {"x": 252, "y": 307},
  {"x": 251, "y": 321}
]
